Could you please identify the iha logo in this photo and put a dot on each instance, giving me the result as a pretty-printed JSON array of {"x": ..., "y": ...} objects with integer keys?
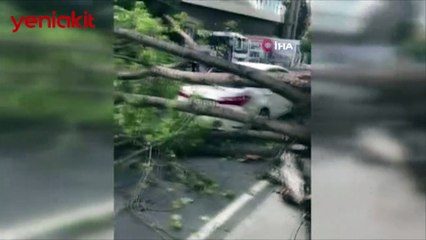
[{"x": 268, "y": 45}]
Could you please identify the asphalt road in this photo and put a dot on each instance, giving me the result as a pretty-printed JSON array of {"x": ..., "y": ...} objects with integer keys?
[
  {"x": 232, "y": 176},
  {"x": 61, "y": 181}
]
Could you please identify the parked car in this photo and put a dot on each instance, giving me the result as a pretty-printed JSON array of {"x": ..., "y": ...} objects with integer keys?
[
  {"x": 254, "y": 101},
  {"x": 264, "y": 67}
]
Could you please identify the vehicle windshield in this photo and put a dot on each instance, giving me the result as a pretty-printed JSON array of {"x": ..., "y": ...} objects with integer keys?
[{"x": 240, "y": 45}]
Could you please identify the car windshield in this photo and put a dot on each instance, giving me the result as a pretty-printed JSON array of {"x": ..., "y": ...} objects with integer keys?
[{"x": 240, "y": 45}]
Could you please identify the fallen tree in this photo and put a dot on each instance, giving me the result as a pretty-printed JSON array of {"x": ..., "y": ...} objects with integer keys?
[
  {"x": 287, "y": 85},
  {"x": 223, "y": 79},
  {"x": 292, "y": 130},
  {"x": 204, "y": 78},
  {"x": 257, "y": 76},
  {"x": 283, "y": 132}
]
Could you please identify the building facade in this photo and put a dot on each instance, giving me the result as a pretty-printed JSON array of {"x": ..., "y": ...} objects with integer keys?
[{"x": 258, "y": 17}]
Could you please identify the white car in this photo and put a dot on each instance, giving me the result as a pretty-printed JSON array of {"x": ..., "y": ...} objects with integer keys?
[{"x": 254, "y": 101}]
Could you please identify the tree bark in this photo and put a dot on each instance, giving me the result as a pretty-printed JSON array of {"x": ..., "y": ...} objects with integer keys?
[
  {"x": 222, "y": 79},
  {"x": 292, "y": 130},
  {"x": 254, "y": 75},
  {"x": 292, "y": 178}
]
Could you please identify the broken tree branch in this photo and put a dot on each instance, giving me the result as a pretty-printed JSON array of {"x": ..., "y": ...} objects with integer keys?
[
  {"x": 187, "y": 39},
  {"x": 257, "y": 76},
  {"x": 133, "y": 75},
  {"x": 292, "y": 130},
  {"x": 292, "y": 178},
  {"x": 222, "y": 79}
]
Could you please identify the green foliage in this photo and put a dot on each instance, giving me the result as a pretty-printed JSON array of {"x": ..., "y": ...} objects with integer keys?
[
  {"x": 176, "y": 222},
  {"x": 203, "y": 36},
  {"x": 195, "y": 181},
  {"x": 177, "y": 204},
  {"x": 138, "y": 19},
  {"x": 181, "y": 202},
  {"x": 164, "y": 129},
  {"x": 170, "y": 133},
  {"x": 231, "y": 26},
  {"x": 181, "y": 18}
]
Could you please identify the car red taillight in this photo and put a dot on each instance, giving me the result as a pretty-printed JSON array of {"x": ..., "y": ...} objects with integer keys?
[
  {"x": 237, "y": 101},
  {"x": 182, "y": 94}
]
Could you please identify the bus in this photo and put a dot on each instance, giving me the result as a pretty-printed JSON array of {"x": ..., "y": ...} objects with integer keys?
[{"x": 231, "y": 46}]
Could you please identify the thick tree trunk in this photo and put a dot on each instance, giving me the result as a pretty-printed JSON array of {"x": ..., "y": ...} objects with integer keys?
[
  {"x": 222, "y": 79},
  {"x": 295, "y": 131},
  {"x": 134, "y": 75},
  {"x": 254, "y": 75}
]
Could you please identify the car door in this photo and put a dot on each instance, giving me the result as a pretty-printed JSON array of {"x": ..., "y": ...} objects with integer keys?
[
  {"x": 265, "y": 98},
  {"x": 281, "y": 105},
  {"x": 277, "y": 104}
]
